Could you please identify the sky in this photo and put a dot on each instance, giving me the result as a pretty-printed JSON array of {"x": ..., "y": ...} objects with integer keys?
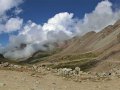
[
  {"x": 40, "y": 11},
  {"x": 36, "y": 22}
]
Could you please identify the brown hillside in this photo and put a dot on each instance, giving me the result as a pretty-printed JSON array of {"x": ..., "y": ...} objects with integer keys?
[{"x": 101, "y": 48}]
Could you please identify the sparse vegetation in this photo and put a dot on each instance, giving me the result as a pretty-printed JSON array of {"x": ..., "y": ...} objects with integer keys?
[
  {"x": 78, "y": 56},
  {"x": 84, "y": 64}
]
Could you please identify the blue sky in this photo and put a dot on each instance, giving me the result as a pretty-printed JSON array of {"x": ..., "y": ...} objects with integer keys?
[
  {"x": 39, "y": 11},
  {"x": 37, "y": 22}
]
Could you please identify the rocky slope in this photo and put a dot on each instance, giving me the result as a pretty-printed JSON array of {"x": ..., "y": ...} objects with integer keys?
[
  {"x": 93, "y": 51},
  {"x": 14, "y": 80},
  {"x": 101, "y": 48},
  {"x": 97, "y": 55},
  {"x": 28, "y": 78}
]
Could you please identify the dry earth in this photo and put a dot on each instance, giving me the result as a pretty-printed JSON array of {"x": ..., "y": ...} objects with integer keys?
[{"x": 16, "y": 80}]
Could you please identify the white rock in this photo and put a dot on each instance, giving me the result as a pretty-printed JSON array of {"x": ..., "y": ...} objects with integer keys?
[
  {"x": 35, "y": 67},
  {"x": 39, "y": 70},
  {"x": 2, "y": 84},
  {"x": 77, "y": 70},
  {"x": 5, "y": 64},
  {"x": 64, "y": 71}
]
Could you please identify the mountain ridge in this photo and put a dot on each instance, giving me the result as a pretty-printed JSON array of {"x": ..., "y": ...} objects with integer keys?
[{"x": 99, "y": 47}]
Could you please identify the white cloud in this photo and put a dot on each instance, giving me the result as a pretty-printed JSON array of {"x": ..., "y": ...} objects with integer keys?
[
  {"x": 13, "y": 24},
  {"x": 18, "y": 11},
  {"x": 7, "y": 23},
  {"x": 32, "y": 36},
  {"x": 33, "y": 32},
  {"x": 6, "y": 5},
  {"x": 20, "y": 54},
  {"x": 104, "y": 6},
  {"x": 61, "y": 22},
  {"x": 35, "y": 35},
  {"x": 102, "y": 16},
  {"x": 58, "y": 28}
]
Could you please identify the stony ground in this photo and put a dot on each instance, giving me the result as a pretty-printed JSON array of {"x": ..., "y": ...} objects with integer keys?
[{"x": 16, "y": 80}]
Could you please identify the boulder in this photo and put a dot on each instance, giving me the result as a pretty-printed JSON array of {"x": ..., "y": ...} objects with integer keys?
[{"x": 77, "y": 70}]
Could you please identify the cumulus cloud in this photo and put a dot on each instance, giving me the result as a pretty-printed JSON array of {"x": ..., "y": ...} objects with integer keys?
[
  {"x": 102, "y": 16},
  {"x": 6, "y": 5},
  {"x": 34, "y": 37},
  {"x": 60, "y": 22},
  {"x": 30, "y": 39},
  {"x": 13, "y": 24},
  {"x": 60, "y": 27},
  {"x": 8, "y": 24}
]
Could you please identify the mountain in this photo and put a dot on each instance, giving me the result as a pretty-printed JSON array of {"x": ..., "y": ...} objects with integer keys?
[{"x": 95, "y": 51}]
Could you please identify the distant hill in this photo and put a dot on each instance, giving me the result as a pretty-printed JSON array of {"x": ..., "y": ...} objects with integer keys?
[{"x": 99, "y": 51}]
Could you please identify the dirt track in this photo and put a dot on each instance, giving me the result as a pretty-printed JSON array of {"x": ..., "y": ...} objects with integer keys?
[{"x": 14, "y": 80}]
